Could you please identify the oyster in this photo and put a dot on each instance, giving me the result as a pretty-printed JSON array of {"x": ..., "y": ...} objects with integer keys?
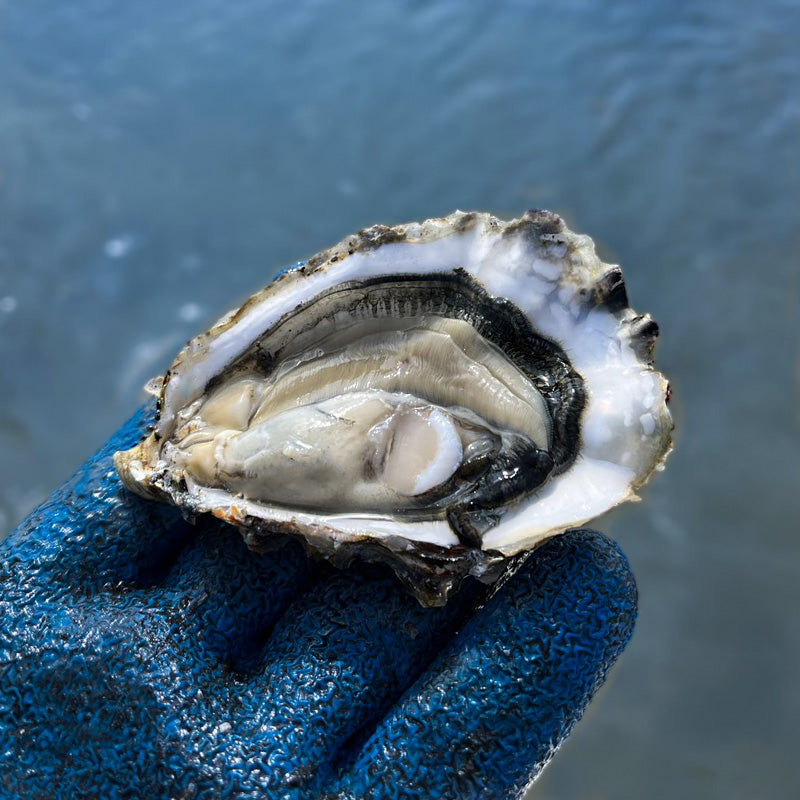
[{"x": 440, "y": 396}]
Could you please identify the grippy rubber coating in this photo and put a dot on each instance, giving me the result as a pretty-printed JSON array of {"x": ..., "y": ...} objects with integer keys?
[{"x": 144, "y": 657}]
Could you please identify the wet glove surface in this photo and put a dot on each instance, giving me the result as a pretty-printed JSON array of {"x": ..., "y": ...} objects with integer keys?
[{"x": 144, "y": 657}]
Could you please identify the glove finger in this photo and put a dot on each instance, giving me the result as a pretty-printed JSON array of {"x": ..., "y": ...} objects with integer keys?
[
  {"x": 336, "y": 660},
  {"x": 498, "y": 700},
  {"x": 93, "y": 533},
  {"x": 232, "y": 596}
]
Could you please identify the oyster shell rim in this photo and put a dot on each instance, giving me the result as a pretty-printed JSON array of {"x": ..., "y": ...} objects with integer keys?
[{"x": 543, "y": 229}]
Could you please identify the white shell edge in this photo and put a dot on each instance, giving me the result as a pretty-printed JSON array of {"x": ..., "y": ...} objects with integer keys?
[{"x": 626, "y": 424}]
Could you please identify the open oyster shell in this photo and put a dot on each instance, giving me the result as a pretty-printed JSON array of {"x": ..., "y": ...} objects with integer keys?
[{"x": 440, "y": 396}]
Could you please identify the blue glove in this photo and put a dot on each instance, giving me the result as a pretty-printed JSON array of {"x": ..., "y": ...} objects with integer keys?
[{"x": 143, "y": 657}]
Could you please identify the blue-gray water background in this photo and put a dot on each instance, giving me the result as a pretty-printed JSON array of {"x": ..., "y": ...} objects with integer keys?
[{"x": 159, "y": 161}]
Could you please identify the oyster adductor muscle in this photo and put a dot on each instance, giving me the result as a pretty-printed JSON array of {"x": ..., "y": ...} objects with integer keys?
[{"x": 440, "y": 396}]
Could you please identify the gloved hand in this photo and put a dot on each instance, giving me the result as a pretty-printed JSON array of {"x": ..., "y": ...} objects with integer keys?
[{"x": 144, "y": 657}]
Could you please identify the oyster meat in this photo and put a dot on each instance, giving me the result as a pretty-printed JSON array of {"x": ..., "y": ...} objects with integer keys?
[{"x": 440, "y": 396}]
